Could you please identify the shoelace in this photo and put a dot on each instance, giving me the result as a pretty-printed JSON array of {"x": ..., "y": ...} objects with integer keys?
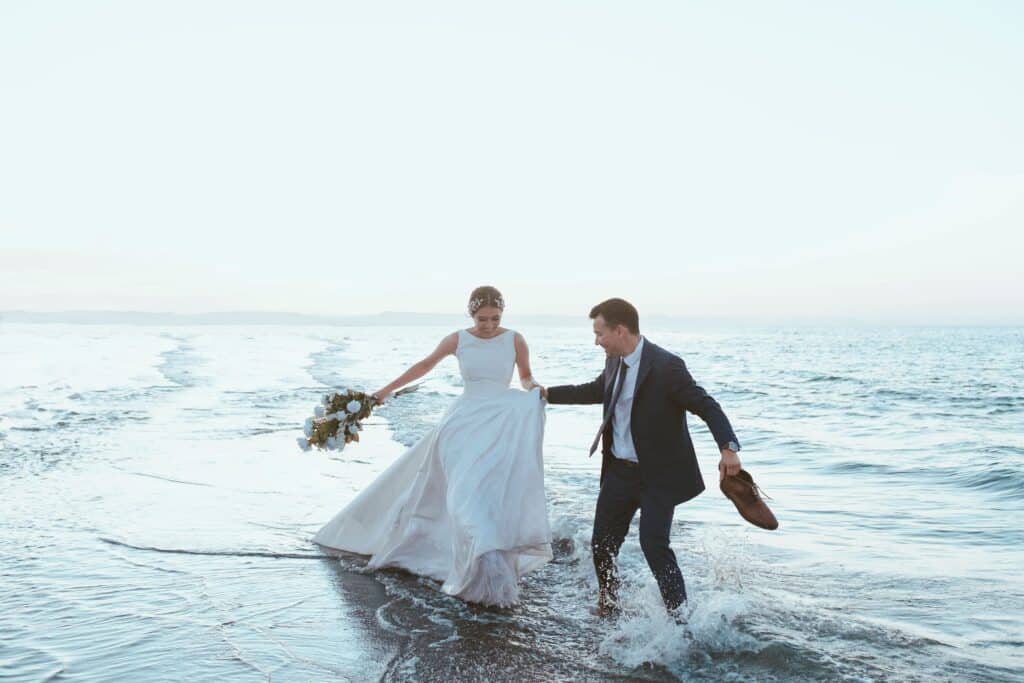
[
  {"x": 759, "y": 492},
  {"x": 756, "y": 489}
]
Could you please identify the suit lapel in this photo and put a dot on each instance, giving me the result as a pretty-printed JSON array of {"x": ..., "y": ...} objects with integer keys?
[{"x": 646, "y": 361}]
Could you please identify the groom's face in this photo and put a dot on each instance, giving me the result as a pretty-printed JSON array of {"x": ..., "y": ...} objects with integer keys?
[{"x": 609, "y": 338}]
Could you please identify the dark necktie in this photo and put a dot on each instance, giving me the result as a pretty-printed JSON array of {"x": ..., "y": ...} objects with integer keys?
[{"x": 620, "y": 380}]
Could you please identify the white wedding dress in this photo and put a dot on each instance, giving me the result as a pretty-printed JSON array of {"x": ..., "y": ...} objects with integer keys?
[{"x": 465, "y": 505}]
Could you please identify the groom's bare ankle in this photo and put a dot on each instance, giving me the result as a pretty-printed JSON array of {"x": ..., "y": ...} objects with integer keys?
[{"x": 607, "y": 605}]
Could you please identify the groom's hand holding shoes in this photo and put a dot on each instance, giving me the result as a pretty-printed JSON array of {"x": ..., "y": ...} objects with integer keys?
[{"x": 729, "y": 465}]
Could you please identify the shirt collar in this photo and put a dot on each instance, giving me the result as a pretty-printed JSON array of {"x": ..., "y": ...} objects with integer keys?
[{"x": 634, "y": 358}]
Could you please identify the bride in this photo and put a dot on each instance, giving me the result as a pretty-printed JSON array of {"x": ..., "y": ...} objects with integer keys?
[{"x": 465, "y": 505}]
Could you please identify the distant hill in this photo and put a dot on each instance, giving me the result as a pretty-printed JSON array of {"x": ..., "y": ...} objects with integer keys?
[
  {"x": 250, "y": 318},
  {"x": 391, "y": 318}
]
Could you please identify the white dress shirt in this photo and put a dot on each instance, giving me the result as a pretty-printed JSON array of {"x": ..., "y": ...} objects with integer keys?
[{"x": 622, "y": 434}]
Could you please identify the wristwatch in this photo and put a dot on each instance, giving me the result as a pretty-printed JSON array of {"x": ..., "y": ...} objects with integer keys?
[{"x": 733, "y": 446}]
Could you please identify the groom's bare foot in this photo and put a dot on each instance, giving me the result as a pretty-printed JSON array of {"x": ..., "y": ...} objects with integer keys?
[
  {"x": 607, "y": 607},
  {"x": 679, "y": 614}
]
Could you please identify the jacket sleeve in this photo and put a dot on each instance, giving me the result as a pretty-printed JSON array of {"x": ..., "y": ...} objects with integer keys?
[
  {"x": 688, "y": 395},
  {"x": 591, "y": 392}
]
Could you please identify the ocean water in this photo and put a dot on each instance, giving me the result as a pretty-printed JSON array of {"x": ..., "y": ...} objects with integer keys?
[{"x": 156, "y": 513}]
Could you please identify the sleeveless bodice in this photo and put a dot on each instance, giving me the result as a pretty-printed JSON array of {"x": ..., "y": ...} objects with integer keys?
[{"x": 486, "y": 365}]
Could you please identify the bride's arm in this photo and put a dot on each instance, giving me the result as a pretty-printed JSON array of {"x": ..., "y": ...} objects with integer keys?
[
  {"x": 445, "y": 348},
  {"x": 523, "y": 363}
]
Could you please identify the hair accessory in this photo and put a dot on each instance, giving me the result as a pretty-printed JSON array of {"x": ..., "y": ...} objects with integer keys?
[{"x": 478, "y": 303}]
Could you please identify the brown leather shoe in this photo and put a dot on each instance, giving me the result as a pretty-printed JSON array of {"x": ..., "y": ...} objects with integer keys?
[{"x": 744, "y": 494}]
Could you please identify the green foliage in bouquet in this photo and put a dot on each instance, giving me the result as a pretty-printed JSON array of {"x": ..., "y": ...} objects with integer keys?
[{"x": 339, "y": 419}]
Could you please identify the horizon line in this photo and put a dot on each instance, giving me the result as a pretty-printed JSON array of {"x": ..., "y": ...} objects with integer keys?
[{"x": 257, "y": 317}]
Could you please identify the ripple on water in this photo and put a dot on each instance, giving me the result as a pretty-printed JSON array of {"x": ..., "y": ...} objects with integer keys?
[{"x": 179, "y": 365}]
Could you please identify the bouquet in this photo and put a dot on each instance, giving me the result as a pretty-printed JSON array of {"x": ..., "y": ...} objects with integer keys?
[{"x": 339, "y": 419}]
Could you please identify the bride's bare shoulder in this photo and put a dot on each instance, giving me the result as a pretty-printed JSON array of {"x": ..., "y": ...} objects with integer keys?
[{"x": 449, "y": 343}]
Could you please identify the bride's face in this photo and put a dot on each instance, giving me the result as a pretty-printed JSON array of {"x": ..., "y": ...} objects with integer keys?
[{"x": 487, "y": 321}]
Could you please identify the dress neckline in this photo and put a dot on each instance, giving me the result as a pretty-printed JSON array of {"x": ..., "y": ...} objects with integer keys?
[{"x": 486, "y": 338}]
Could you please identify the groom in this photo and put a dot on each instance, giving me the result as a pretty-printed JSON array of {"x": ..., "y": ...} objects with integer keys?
[{"x": 648, "y": 461}]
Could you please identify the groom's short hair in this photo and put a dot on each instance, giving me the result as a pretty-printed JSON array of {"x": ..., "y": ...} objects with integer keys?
[{"x": 617, "y": 312}]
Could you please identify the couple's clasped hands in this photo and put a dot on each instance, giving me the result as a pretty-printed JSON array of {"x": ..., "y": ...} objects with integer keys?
[{"x": 529, "y": 384}]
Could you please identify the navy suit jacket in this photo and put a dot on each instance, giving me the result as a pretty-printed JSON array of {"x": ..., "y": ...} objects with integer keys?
[{"x": 665, "y": 391}]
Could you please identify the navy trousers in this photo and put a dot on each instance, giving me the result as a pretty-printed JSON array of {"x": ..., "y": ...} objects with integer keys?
[{"x": 622, "y": 494}]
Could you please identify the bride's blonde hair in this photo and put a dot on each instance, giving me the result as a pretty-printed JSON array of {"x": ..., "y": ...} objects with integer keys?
[{"x": 485, "y": 296}]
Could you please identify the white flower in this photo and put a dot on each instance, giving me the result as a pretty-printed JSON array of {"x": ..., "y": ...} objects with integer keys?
[
  {"x": 354, "y": 406},
  {"x": 318, "y": 411},
  {"x": 339, "y": 416},
  {"x": 332, "y": 443},
  {"x": 303, "y": 443},
  {"x": 340, "y": 445},
  {"x": 308, "y": 427},
  {"x": 354, "y": 428}
]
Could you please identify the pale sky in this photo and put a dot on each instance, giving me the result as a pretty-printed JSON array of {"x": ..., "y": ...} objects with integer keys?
[{"x": 860, "y": 159}]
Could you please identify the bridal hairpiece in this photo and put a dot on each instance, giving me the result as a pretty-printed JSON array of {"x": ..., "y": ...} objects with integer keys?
[{"x": 476, "y": 304}]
